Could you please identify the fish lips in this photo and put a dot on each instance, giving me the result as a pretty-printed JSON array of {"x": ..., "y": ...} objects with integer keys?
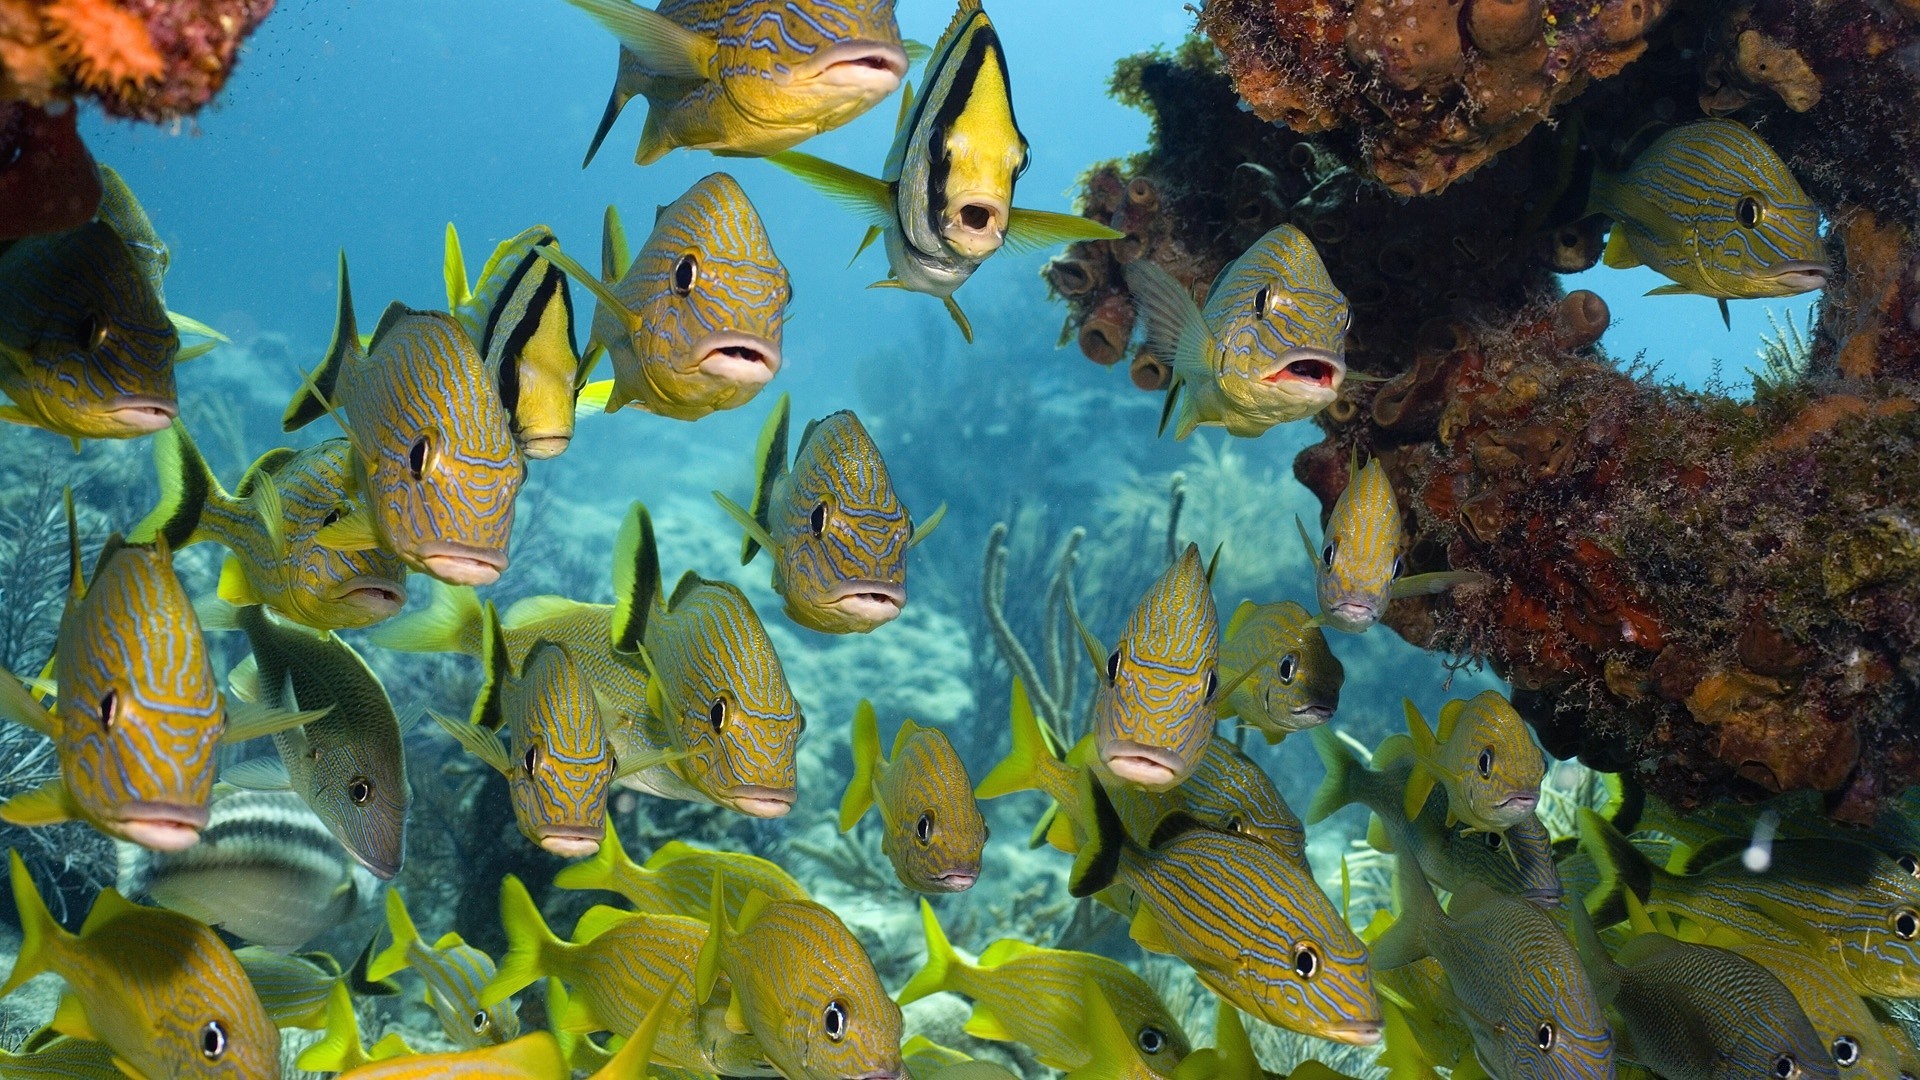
[
  {"x": 1352, "y": 1032},
  {"x": 1311, "y": 713},
  {"x": 1352, "y": 616},
  {"x": 759, "y": 800},
  {"x": 736, "y": 358},
  {"x": 1800, "y": 276},
  {"x": 540, "y": 447},
  {"x": 975, "y": 223},
  {"x": 161, "y": 826},
  {"x": 461, "y": 564},
  {"x": 1515, "y": 807},
  {"x": 377, "y": 596},
  {"x": 570, "y": 841},
  {"x": 869, "y": 601},
  {"x": 872, "y": 66},
  {"x": 1150, "y": 767},
  {"x": 1315, "y": 370},
  {"x": 141, "y": 414},
  {"x": 954, "y": 880}
]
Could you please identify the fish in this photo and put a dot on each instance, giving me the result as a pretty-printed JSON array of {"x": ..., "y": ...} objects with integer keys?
[
  {"x": 693, "y": 323},
  {"x": 1863, "y": 905},
  {"x": 1484, "y": 757},
  {"x": 269, "y": 525},
  {"x": 832, "y": 523},
  {"x": 1293, "y": 680},
  {"x": 1153, "y": 712},
  {"x": 520, "y": 316},
  {"x": 537, "y": 1056},
  {"x": 678, "y": 878},
  {"x": 349, "y": 765},
  {"x": 1033, "y": 996},
  {"x": 1227, "y": 792},
  {"x": 1232, "y": 1057},
  {"x": 454, "y": 973},
  {"x": 1251, "y": 921},
  {"x": 1269, "y": 348},
  {"x": 746, "y": 78},
  {"x": 294, "y": 988},
  {"x": 1114, "y": 1056},
  {"x": 266, "y": 870},
  {"x": 927, "y": 1060},
  {"x": 714, "y": 681},
  {"x": 436, "y": 469},
  {"x": 48, "y": 1055},
  {"x": 1522, "y": 994},
  {"x": 159, "y": 989},
  {"x": 931, "y": 828},
  {"x": 339, "y": 1048},
  {"x": 944, "y": 200},
  {"x": 1357, "y": 569},
  {"x": 1711, "y": 206},
  {"x": 1035, "y": 763},
  {"x": 1423, "y": 1029},
  {"x": 801, "y": 983},
  {"x": 1841, "y": 1020}
]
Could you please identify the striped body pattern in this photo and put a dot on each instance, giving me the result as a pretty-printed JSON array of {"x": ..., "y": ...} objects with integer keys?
[
  {"x": 678, "y": 879},
  {"x": 933, "y": 831},
  {"x": 1842, "y": 1020},
  {"x": 86, "y": 349},
  {"x": 455, "y": 974},
  {"x": 1711, "y": 206},
  {"x": 618, "y": 973},
  {"x": 1228, "y": 791},
  {"x": 536, "y": 1057},
  {"x": 562, "y": 759},
  {"x": 710, "y": 296},
  {"x": 1361, "y": 554},
  {"x": 1153, "y": 714},
  {"x": 1296, "y": 678},
  {"x": 293, "y": 989},
  {"x": 1279, "y": 332},
  {"x": 59, "y": 1057},
  {"x": 140, "y": 716},
  {"x": 1699, "y": 1012},
  {"x": 520, "y": 317},
  {"x": 839, "y": 530},
  {"x": 1485, "y": 758}
]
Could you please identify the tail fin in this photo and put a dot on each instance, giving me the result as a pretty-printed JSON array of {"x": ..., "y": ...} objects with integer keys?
[
  {"x": 531, "y": 944},
  {"x": 1405, "y": 941},
  {"x": 1621, "y": 865},
  {"x": 186, "y": 486},
  {"x": 1099, "y": 859},
  {"x": 1020, "y": 770},
  {"x": 488, "y": 710},
  {"x": 866, "y": 765},
  {"x": 942, "y": 962},
  {"x": 393, "y": 958},
  {"x": 315, "y": 396},
  {"x": 600, "y": 872},
  {"x": 769, "y": 462},
  {"x": 452, "y": 621},
  {"x": 636, "y": 579},
  {"x": 40, "y": 935},
  {"x": 1336, "y": 790},
  {"x": 1425, "y": 749},
  {"x": 340, "y": 1048}
]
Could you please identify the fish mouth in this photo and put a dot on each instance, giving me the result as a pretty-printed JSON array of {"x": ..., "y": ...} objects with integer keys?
[
  {"x": 162, "y": 826},
  {"x": 570, "y": 841},
  {"x": 540, "y": 447},
  {"x": 870, "y": 601},
  {"x": 976, "y": 223},
  {"x": 380, "y": 597},
  {"x": 1519, "y": 804},
  {"x": 144, "y": 415},
  {"x": 1148, "y": 766},
  {"x": 384, "y": 869},
  {"x": 860, "y": 65},
  {"x": 1313, "y": 713},
  {"x": 955, "y": 880},
  {"x": 1353, "y": 1032},
  {"x": 1350, "y": 614},
  {"x": 462, "y": 564},
  {"x": 758, "y": 800},
  {"x": 1800, "y": 276},
  {"x": 740, "y": 359},
  {"x": 1308, "y": 367}
]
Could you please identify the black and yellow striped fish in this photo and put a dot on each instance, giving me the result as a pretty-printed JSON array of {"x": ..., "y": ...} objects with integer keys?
[{"x": 520, "y": 316}]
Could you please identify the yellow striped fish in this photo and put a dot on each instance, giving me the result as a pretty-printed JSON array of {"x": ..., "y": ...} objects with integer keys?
[
  {"x": 928, "y": 1060},
  {"x": 454, "y": 973},
  {"x": 1293, "y": 680},
  {"x": 1839, "y": 1017},
  {"x": 1114, "y": 1056},
  {"x": 1357, "y": 569},
  {"x": 339, "y": 1048},
  {"x": 1269, "y": 347},
  {"x": 1422, "y": 1025},
  {"x": 520, "y": 316},
  {"x": 693, "y": 324},
  {"x": 803, "y": 986},
  {"x": 1227, "y": 792},
  {"x": 746, "y": 78},
  {"x": 1248, "y": 918},
  {"x": 1231, "y": 1056},
  {"x": 48, "y": 1055},
  {"x": 713, "y": 680},
  {"x": 944, "y": 201},
  {"x": 678, "y": 879},
  {"x": 837, "y": 532},
  {"x": 538, "y": 1056},
  {"x": 931, "y": 828},
  {"x": 1033, "y": 996},
  {"x": 269, "y": 525},
  {"x": 295, "y": 988},
  {"x": 436, "y": 467},
  {"x": 1711, "y": 206},
  {"x": 1484, "y": 757},
  {"x": 1034, "y": 763},
  {"x": 349, "y": 764},
  {"x": 1153, "y": 711},
  {"x": 559, "y": 763},
  {"x": 158, "y": 988}
]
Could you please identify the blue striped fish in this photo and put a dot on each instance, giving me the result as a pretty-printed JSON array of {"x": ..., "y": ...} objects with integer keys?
[
  {"x": 678, "y": 878},
  {"x": 295, "y": 988},
  {"x": 454, "y": 973},
  {"x": 1247, "y": 917},
  {"x": 931, "y": 828},
  {"x": 944, "y": 201},
  {"x": 436, "y": 468},
  {"x": 747, "y": 78},
  {"x": 832, "y": 522},
  {"x": 714, "y": 681},
  {"x": 1227, "y": 791},
  {"x": 1270, "y": 346},
  {"x": 1153, "y": 711},
  {"x": 48, "y": 1055},
  {"x": 1292, "y": 679},
  {"x": 269, "y": 525},
  {"x": 1711, "y": 206},
  {"x": 159, "y": 989},
  {"x": 1842, "y": 1020},
  {"x": 1357, "y": 569},
  {"x": 1483, "y": 755},
  {"x": 520, "y": 316},
  {"x": 693, "y": 324}
]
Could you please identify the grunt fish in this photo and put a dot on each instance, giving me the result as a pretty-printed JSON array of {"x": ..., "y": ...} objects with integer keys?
[
  {"x": 520, "y": 316},
  {"x": 48, "y": 1055},
  {"x": 1293, "y": 679},
  {"x": 1153, "y": 711},
  {"x": 1484, "y": 757},
  {"x": 1034, "y": 763},
  {"x": 454, "y": 973},
  {"x": 538, "y": 1056},
  {"x": 1227, "y": 792},
  {"x": 1231, "y": 1056},
  {"x": 1357, "y": 570},
  {"x": 928, "y": 1060},
  {"x": 295, "y": 988},
  {"x": 931, "y": 828},
  {"x": 678, "y": 879}
]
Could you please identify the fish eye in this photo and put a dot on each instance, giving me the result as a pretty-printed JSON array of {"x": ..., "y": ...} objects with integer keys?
[
  {"x": 1486, "y": 761},
  {"x": 1151, "y": 1040},
  {"x": 1906, "y": 924},
  {"x": 1399, "y": 561},
  {"x": 1232, "y": 824},
  {"x": 717, "y": 713},
  {"x": 817, "y": 521},
  {"x": 333, "y": 515},
  {"x": 417, "y": 457},
  {"x": 1494, "y": 840},
  {"x": 836, "y": 1021},
  {"x": 1306, "y": 960},
  {"x": 1545, "y": 1036},
  {"x": 1289, "y": 667},
  {"x": 107, "y": 707},
  {"x": 1260, "y": 303},
  {"x": 1213, "y": 683},
  {"x": 923, "y": 829},
  {"x": 1785, "y": 1067},
  {"x": 481, "y": 1021},
  {"x": 92, "y": 332},
  {"x": 686, "y": 273},
  {"x": 1113, "y": 666},
  {"x": 532, "y": 760},
  {"x": 1846, "y": 1052},
  {"x": 1909, "y": 864},
  {"x": 359, "y": 790},
  {"x": 213, "y": 1040},
  {"x": 1326, "y": 555},
  {"x": 1749, "y": 211}
]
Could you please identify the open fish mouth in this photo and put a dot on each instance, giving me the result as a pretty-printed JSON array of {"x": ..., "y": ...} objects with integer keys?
[
  {"x": 570, "y": 841},
  {"x": 1314, "y": 713},
  {"x": 1309, "y": 367},
  {"x": 955, "y": 880},
  {"x": 1800, "y": 276},
  {"x": 376, "y": 596},
  {"x": 741, "y": 359},
  {"x": 976, "y": 223},
  {"x": 1353, "y": 1032},
  {"x": 874, "y": 601},
  {"x": 540, "y": 447},
  {"x": 162, "y": 826},
  {"x": 1148, "y": 766},
  {"x": 861, "y": 65},
  {"x": 759, "y": 800},
  {"x": 462, "y": 564},
  {"x": 1518, "y": 803},
  {"x": 142, "y": 414}
]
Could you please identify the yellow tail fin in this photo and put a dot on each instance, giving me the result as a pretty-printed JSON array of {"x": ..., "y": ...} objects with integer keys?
[
  {"x": 866, "y": 765},
  {"x": 1425, "y": 748},
  {"x": 942, "y": 961},
  {"x": 41, "y": 936},
  {"x": 393, "y": 959},
  {"x": 532, "y": 946},
  {"x": 1020, "y": 770}
]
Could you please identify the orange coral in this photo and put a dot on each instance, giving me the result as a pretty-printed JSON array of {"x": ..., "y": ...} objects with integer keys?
[{"x": 107, "y": 48}]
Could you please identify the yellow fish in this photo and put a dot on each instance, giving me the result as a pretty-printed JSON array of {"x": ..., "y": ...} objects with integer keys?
[
  {"x": 928, "y": 1060},
  {"x": 678, "y": 879},
  {"x": 1839, "y": 1016},
  {"x": 1293, "y": 679},
  {"x": 531, "y": 1057},
  {"x": 931, "y": 828},
  {"x": 339, "y": 1048},
  {"x": 1034, "y": 763},
  {"x": 1153, "y": 712},
  {"x": 1483, "y": 755},
  {"x": 520, "y": 317},
  {"x": 454, "y": 973},
  {"x": 1228, "y": 792},
  {"x": 48, "y": 1055},
  {"x": 1231, "y": 1056},
  {"x": 1357, "y": 570},
  {"x": 746, "y": 78}
]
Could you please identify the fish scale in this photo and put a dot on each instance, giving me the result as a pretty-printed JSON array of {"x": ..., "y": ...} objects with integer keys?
[{"x": 1157, "y": 693}]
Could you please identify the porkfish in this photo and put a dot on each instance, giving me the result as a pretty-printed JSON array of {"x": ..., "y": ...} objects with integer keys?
[
  {"x": 1357, "y": 570},
  {"x": 520, "y": 316},
  {"x": 931, "y": 828}
]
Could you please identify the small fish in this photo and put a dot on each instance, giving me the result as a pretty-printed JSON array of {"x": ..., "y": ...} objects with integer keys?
[
  {"x": 1249, "y": 919},
  {"x": 714, "y": 681},
  {"x": 1033, "y": 996},
  {"x": 1483, "y": 756},
  {"x": 48, "y": 1055},
  {"x": 837, "y": 532},
  {"x": 1423, "y": 1028},
  {"x": 1228, "y": 792},
  {"x": 1232, "y": 1058},
  {"x": 944, "y": 201},
  {"x": 339, "y": 1048},
  {"x": 1712, "y": 207},
  {"x": 348, "y": 765},
  {"x": 1269, "y": 347},
  {"x": 295, "y": 988},
  {"x": 804, "y": 987},
  {"x": 538, "y": 1056},
  {"x": 436, "y": 468},
  {"x": 269, "y": 524},
  {"x": 746, "y": 78},
  {"x": 454, "y": 972},
  {"x": 1034, "y": 763},
  {"x": 1114, "y": 1055},
  {"x": 266, "y": 870},
  {"x": 1153, "y": 712},
  {"x": 928, "y": 1060},
  {"x": 931, "y": 828},
  {"x": 520, "y": 316},
  {"x": 1293, "y": 680},
  {"x": 678, "y": 879},
  {"x": 1843, "y": 1022},
  {"x": 158, "y": 988},
  {"x": 1357, "y": 570},
  {"x": 693, "y": 323}
]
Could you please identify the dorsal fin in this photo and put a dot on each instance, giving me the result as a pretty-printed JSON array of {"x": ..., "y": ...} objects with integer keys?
[
  {"x": 267, "y": 464},
  {"x": 688, "y": 582},
  {"x": 76, "y": 583},
  {"x": 497, "y": 668},
  {"x": 394, "y": 313},
  {"x": 636, "y": 579},
  {"x": 310, "y": 402},
  {"x": 770, "y": 462}
]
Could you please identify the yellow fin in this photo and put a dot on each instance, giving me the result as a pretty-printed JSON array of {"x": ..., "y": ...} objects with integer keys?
[
  {"x": 666, "y": 48},
  {"x": 595, "y": 397},
  {"x": 1034, "y": 230},
  {"x": 70, "y": 1018},
  {"x": 48, "y": 804},
  {"x": 866, "y": 766},
  {"x": 925, "y": 529},
  {"x": 1146, "y": 932},
  {"x": 1619, "y": 252},
  {"x": 454, "y": 270},
  {"x": 354, "y": 532},
  {"x": 235, "y": 586},
  {"x": 984, "y": 1024},
  {"x": 869, "y": 198}
]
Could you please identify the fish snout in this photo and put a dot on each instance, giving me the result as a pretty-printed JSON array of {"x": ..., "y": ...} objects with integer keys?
[
  {"x": 955, "y": 880},
  {"x": 1314, "y": 368},
  {"x": 758, "y": 800},
  {"x": 570, "y": 841},
  {"x": 975, "y": 223},
  {"x": 162, "y": 826},
  {"x": 140, "y": 414},
  {"x": 541, "y": 447},
  {"x": 379, "y": 598},
  {"x": 1353, "y": 616},
  {"x": 738, "y": 359},
  {"x": 873, "y": 66},
  {"x": 1799, "y": 277},
  {"x": 1353, "y": 1032},
  {"x": 873, "y": 602},
  {"x": 462, "y": 564},
  {"x": 1150, "y": 767}
]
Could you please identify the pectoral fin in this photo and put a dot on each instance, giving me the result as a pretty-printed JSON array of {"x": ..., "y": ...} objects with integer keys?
[
  {"x": 925, "y": 529},
  {"x": 355, "y": 532},
  {"x": 48, "y": 804},
  {"x": 1439, "y": 582},
  {"x": 1036, "y": 230},
  {"x": 665, "y": 48}
]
